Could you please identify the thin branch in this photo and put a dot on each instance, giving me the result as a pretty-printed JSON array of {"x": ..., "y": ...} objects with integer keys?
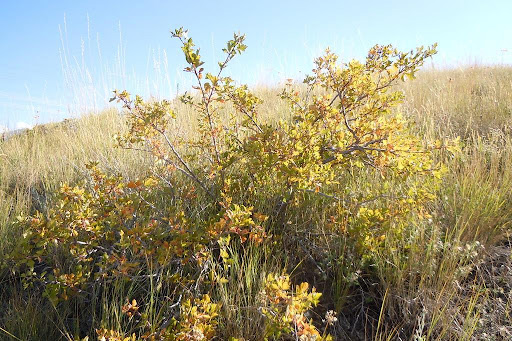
[{"x": 187, "y": 171}]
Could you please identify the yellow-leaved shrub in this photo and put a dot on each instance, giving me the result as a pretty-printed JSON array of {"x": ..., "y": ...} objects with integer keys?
[{"x": 344, "y": 145}]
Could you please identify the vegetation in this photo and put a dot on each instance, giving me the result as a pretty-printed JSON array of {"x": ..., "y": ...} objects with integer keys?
[{"x": 360, "y": 204}]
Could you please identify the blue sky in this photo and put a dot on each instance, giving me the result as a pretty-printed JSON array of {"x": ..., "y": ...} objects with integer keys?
[{"x": 61, "y": 58}]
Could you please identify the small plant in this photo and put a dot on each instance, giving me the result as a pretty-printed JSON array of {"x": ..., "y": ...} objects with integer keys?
[
  {"x": 97, "y": 233},
  {"x": 286, "y": 310}
]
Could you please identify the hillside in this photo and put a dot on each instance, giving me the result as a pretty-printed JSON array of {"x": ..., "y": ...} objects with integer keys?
[{"x": 450, "y": 280}]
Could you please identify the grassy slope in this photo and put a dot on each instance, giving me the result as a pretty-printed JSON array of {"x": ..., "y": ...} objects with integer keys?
[{"x": 475, "y": 204}]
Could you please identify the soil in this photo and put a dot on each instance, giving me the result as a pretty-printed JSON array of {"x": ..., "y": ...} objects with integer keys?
[{"x": 493, "y": 276}]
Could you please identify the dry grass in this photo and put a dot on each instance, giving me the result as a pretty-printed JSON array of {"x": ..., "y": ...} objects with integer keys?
[
  {"x": 428, "y": 296},
  {"x": 461, "y": 102}
]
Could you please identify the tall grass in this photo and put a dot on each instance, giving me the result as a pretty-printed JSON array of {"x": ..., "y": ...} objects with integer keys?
[
  {"x": 461, "y": 102},
  {"x": 420, "y": 294}
]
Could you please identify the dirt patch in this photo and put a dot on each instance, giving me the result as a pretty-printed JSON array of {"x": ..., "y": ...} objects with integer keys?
[{"x": 493, "y": 276}]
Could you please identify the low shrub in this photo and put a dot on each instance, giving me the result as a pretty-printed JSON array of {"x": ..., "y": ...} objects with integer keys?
[{"x": 324, "y": 189}]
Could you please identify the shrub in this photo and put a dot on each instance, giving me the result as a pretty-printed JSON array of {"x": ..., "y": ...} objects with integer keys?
[{"x": 244, "y": 182}]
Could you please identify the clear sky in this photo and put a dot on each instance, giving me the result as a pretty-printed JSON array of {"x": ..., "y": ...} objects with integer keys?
[{"x": 59, "y": 58}]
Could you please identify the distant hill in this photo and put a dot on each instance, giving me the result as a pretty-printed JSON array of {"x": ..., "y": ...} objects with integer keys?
[{"x": 10, "y": 133}]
